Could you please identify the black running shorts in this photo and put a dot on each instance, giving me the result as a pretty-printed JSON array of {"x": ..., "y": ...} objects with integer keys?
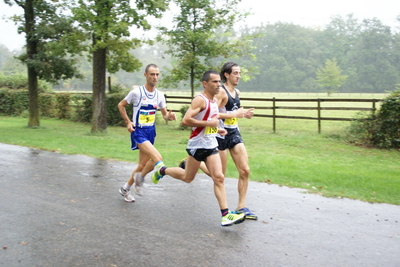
[
  {"x": 201, "y": 154},
  {"x": 232, "y": 138}
]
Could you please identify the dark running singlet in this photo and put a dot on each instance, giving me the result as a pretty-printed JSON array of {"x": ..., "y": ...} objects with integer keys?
[{"x": 231, "y": 106}]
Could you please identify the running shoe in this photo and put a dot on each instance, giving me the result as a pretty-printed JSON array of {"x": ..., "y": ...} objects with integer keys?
[
  {"x": 127, "y": 195},
  {"x": 182, "y": 163},
  {"x": 247, "y": 213},
  {"x": 232, "y": 218},
  {"x": 137, "y": 187},
  {"x": 155, "y": 178}
]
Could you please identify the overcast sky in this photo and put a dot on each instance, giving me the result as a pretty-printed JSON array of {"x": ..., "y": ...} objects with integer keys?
[{"x": 305, "y": 13}]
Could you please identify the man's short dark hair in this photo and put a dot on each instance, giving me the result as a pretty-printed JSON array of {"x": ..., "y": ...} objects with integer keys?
[
  {"x": 227, "y": 68},
  {"x": 207, "y": 74},
  {"x": 150, "y": 66}
]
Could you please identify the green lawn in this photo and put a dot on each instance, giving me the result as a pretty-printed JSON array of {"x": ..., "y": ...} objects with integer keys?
[{"x": 295, "y": 156}]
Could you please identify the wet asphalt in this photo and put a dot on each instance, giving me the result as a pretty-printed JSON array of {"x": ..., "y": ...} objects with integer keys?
[{"x": 65, "y": 210}]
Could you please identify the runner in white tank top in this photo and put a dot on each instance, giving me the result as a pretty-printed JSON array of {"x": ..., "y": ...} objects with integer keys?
[
  {"x": 202, "y": 115},
  {"x": 204, "y": 137}
]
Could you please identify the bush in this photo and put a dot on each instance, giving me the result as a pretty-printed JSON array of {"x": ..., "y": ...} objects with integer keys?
[
  {"x": 83, "y": 109},
  {"x": 381, "y": 129},
  {"x": 77, "y": 107},
  {"x": 183, "y": 110},
  {"x": 82, "y": 104},
  {"x": 63, "y": 107},
  {"x": 119, "y": 89},
  {"x": 13, "y": 102},
  {"x": 20, "y": 81},
  {"x": 113, "y": 116},
  {"x": 47, "y": 105},
  {"x": 16, "y": 103},
  {"x": 15, "y": 81}
]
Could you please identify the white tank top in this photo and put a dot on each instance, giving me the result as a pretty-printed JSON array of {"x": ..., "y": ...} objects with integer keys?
[
  {"x": 145, "y": 105},
  {"x": 204, "y": 137}
]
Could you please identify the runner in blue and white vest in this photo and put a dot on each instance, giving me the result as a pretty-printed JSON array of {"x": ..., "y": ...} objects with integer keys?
[{"x": 145, "y": 101}]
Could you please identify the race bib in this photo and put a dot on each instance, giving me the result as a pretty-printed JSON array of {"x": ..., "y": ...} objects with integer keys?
[
  {"x": 231, "y": 121},
  {"x": 147, "y": 117},
  {"x": 211, "y": 130}
]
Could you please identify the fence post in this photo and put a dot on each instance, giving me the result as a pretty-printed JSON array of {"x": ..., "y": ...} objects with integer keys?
[
  {"x": 373, "y": 106},
  {"x": 319, "y": 115},
  {"x": 166, "y": 97},
  {"x": 273, "y": 115}
]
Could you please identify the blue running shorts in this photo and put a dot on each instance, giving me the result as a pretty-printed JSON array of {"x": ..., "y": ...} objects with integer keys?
[{"x": 141, "y": 135}]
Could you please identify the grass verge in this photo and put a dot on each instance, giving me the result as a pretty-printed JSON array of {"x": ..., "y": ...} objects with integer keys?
[{"x": 321, "y": 163}]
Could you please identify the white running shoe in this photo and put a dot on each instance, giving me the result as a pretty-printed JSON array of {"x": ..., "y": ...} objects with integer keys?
[
  {"x": 127, "y": 195},
  {"x": 137, "y": 187}
]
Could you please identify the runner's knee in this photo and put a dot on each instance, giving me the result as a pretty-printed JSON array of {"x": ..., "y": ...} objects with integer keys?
[
  {"x": 244, "y": 172},
  {"x": 188, "y": 179},
  {"x": 219, "y": 178}
]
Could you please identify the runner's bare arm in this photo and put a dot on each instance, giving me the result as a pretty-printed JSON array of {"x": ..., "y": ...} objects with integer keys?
[
  {"x": 129, "y": 124},
  {"x": 197, "y": 105}
]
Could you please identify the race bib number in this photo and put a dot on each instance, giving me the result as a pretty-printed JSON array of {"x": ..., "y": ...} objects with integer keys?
[
  {"x": 211, "y": 130},
  {"x": 147, "y": 117},
  {"x": 231, "y": 121}
]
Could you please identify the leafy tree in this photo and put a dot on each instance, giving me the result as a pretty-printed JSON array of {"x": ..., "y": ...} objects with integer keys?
[
  {"x": 367, "y": 51},
  {"x": 339, "y": 40},
  {"x": 288, "y": 55},
  {"x": 340, "y": 36},
  {"x": 106, "y": 24},
  {"x": 330, "y": 76},
  {"x": 377, "y": 60},
  {"x": 194, "y": 41},
  {"x": 146, "y": 53},
  {"x": 13, "y": 66},
  {"x": 5, "y": 54},
  {"x": 47, "y": 51}
]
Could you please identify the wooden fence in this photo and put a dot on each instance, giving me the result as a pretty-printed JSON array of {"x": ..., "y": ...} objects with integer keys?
[{"x": 273, "y": 104}]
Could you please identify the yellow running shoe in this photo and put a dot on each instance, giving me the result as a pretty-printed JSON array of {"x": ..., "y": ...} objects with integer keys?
[
  {"x": 155, "y": 178},
  {"x": 232, "y": 218}
]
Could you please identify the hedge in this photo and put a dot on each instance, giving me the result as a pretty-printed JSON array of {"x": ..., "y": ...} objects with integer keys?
[{"x": 76, "y": 107}]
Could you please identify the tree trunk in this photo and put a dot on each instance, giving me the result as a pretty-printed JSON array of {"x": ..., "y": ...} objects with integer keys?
[
  {"x": 99, "y": 115},
  {"x": 33, "y": 98},
  {"x": 31, "y": 50}
]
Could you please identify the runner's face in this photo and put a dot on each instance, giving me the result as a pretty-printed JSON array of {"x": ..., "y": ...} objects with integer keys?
[
  {"x": 213, "y": 84},
  {"x": 152, "y": 76},
  {"x": 234, "y": 77}
]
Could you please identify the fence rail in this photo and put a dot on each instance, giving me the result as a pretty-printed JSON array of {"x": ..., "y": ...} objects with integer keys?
[{"x": 272, "y": 104}]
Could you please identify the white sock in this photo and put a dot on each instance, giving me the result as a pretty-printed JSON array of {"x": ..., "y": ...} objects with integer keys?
[{"x": 127, "y": 187}]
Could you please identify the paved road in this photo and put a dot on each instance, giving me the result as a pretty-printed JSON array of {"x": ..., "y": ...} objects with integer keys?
[{"x": 63, "y": 210}]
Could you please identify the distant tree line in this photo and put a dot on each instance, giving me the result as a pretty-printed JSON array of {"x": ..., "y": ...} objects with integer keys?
[{"x": 287, "y": 58}]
